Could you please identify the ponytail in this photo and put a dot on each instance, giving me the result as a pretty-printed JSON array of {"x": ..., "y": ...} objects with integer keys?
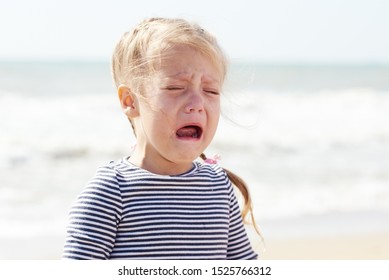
[{"x": 243, "y": 189}]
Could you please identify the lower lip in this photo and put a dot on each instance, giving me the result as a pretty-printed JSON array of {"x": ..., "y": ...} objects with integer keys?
[{"x": 188, "y": 138}]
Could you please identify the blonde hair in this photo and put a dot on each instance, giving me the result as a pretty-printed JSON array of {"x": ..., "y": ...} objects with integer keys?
[{"x": 139, "y": 50}]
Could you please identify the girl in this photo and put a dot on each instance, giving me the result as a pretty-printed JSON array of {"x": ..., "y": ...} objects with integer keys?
[{"x": 160, "y": 203}]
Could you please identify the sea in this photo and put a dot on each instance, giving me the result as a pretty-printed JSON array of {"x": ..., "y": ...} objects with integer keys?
[{"x": 309, "y": 139}]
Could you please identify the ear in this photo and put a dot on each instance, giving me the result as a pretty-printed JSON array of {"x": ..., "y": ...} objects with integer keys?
[{"x": 128, "y": 101}]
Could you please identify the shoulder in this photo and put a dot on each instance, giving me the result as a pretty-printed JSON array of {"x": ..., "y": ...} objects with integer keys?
[
  {"x": 106, "y": 179},
  {"x": 212, "y": 171},
  {"x": 215, "y": 168},
  {"x": 102, "y": 192},
  {"x": 114, "y": 170}
]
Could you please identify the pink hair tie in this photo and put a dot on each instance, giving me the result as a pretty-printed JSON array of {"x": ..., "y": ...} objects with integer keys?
[{"x": 214, "y": 160}]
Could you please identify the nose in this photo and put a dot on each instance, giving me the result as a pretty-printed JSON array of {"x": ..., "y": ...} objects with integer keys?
[{"x": 195, "y": 102}]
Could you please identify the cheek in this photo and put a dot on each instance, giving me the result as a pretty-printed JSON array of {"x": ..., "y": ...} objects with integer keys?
[
  {"x": 214, "y": 110},
  {"x": 161, "y": 118}
]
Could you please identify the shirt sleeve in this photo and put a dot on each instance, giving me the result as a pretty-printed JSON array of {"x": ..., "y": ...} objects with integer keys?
[
  {"x": 239, "y": 246},
  {"x": 94, "y": 218}
]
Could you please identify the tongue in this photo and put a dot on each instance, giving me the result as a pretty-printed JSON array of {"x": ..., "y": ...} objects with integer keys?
[{"x": 188, "y": 131}]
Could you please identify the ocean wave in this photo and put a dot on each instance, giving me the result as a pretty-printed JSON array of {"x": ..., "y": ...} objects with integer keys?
[{"x": 301, "y": 152}]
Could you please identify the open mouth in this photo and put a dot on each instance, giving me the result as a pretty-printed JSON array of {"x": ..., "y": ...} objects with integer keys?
[{"x": 189, "y": 132}]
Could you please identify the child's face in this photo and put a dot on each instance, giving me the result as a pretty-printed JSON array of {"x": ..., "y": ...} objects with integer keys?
[{"x": 179, "y": 113}]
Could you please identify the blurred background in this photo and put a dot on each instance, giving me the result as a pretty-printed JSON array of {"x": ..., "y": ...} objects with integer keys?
[{"x": 305, "y": 117}]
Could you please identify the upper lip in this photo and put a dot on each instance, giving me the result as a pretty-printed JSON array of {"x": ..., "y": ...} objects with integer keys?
[{"x": 192, "y": 124}]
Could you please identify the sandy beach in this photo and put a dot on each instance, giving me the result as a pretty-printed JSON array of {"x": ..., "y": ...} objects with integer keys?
[
  {"x": 372, "y": 246},
  {"x": 337, "y": 236}
]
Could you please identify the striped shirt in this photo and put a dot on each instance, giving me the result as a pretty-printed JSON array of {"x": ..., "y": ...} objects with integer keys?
[{"x": 126, "y": 212}]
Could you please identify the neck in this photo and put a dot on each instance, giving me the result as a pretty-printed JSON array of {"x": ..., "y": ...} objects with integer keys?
[{"x": 158, "y": 165}]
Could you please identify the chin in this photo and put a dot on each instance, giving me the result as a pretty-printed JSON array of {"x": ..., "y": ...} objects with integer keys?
[{"x": 187, "y": 158}]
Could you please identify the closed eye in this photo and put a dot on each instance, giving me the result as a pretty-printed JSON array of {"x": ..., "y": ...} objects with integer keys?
[
  {"x": 214, "y": 92},
  {"x": 174, "y": 88}
]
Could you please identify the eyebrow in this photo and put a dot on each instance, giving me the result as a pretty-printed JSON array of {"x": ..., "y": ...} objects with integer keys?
[{"x": 186, "y": 76}]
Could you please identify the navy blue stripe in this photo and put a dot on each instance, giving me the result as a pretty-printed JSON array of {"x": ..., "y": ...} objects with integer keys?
[
  {"x": 79, "y": 246},
  {"x": 74, "y": 237},
  {"x": 99, "y": 197},
  {"x": 177, "y": 233},
  {"x": 90, "y": 206},
  {"x": 95, "y": 215},
  {"x": 205, "y": 217},
  {"x": 98, "y": 236},
  {"x": 190, "y": 239},
  {"x": 171, "y": 250},
  {"x": 181, "y": 197}
]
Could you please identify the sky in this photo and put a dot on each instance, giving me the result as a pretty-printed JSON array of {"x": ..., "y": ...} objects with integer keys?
[{"x": 308, "y": 31}]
